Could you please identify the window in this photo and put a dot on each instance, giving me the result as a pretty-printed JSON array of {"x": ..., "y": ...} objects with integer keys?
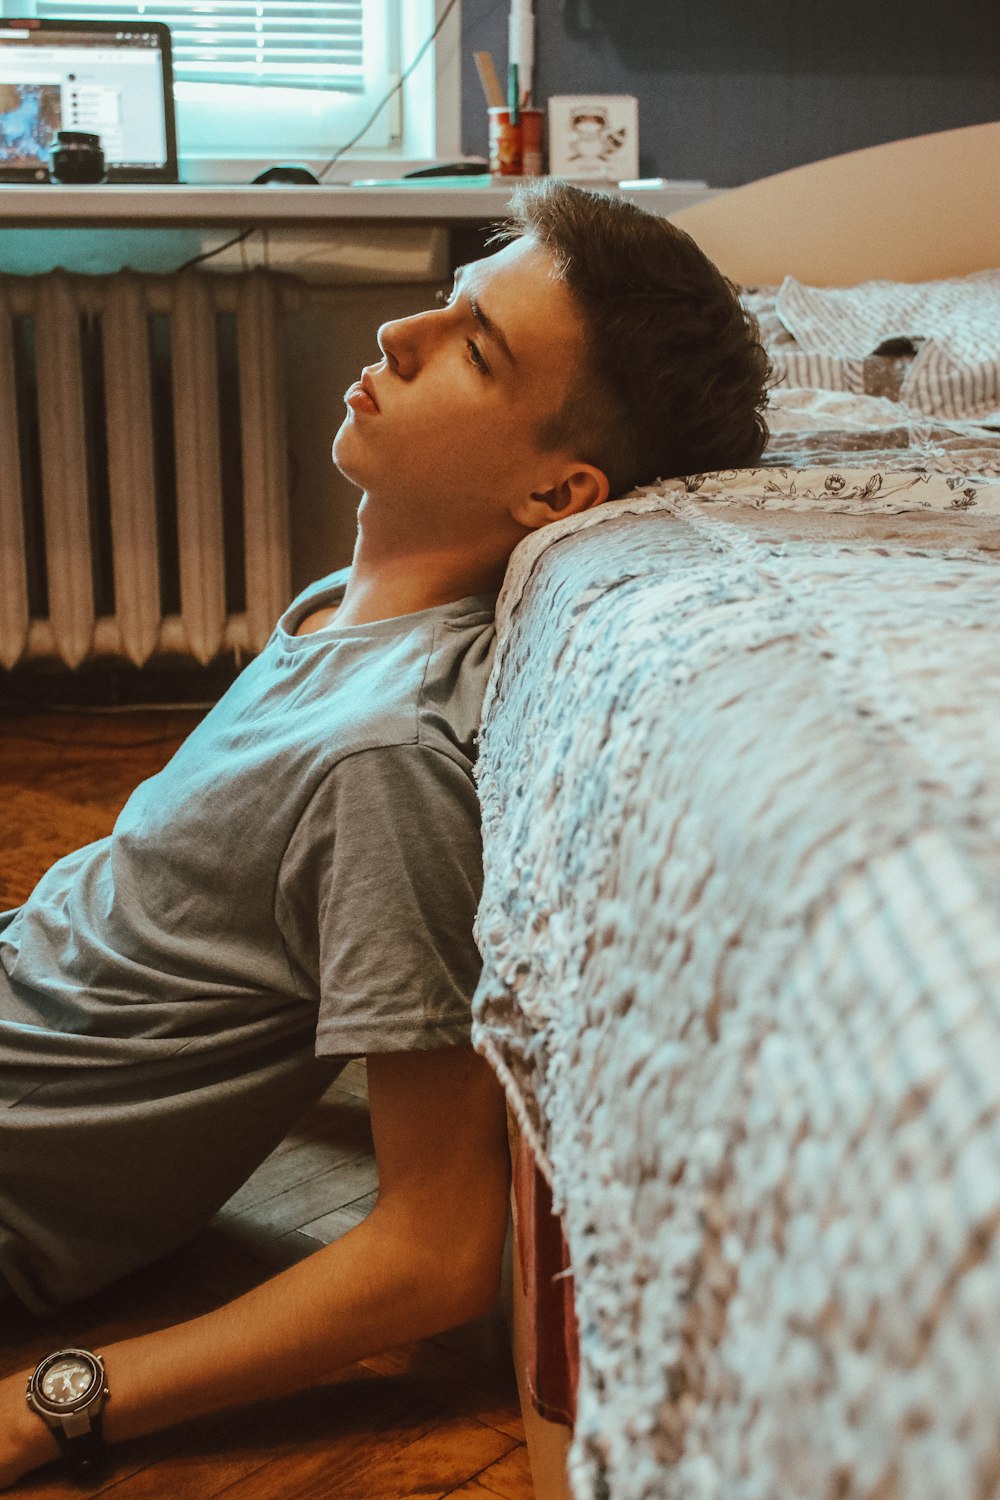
[{"x": 259, "y": 81}]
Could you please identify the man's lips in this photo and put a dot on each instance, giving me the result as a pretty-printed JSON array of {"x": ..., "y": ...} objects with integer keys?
[{"x": 361, "y": 397}]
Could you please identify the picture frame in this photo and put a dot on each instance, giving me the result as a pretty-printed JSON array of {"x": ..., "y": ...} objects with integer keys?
[{"x": 594, "y": 137}]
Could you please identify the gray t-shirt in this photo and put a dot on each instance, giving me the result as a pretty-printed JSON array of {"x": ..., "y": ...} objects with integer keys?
[{"x": 296, "y": 887}]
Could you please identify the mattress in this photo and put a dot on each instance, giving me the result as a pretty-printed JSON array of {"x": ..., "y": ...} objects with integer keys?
[{"x": 740, "y": 778}]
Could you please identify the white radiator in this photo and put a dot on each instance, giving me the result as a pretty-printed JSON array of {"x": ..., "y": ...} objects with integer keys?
[{"x": 143, "y": 465}]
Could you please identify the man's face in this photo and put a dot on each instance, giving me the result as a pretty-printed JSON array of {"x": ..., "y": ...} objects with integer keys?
[{"x": 439, "y": 433}]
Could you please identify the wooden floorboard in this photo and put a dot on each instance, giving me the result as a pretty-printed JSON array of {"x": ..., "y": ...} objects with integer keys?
[
  {"x": 509, "y": 1478},
  {"x": 433, "y": 1419}
]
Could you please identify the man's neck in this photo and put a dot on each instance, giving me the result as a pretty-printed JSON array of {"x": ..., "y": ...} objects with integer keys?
[{"x": 381, "y": 587}]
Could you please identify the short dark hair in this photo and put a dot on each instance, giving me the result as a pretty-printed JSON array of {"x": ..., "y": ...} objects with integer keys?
[{"x": 675, "y": 380}]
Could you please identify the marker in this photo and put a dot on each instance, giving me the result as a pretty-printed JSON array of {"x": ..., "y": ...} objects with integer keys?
[{"x": 513, "y": 95}]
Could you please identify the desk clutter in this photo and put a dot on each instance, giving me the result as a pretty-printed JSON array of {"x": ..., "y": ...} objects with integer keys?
[
  {"x": 73, "y": 91},
  {"x": 86, "y": 101},
  {"x": 592, "y": 138}
]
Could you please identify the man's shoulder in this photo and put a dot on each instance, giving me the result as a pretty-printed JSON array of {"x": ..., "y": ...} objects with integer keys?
[{"x": 403, "y": 768}]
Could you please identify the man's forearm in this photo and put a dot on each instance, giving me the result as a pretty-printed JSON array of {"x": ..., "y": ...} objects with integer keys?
[
  {"x": 366, "y": 1292},
  {"x": 372, "y": 1289}
]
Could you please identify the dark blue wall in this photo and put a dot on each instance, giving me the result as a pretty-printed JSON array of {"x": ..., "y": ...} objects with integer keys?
[{"x": 731, "y": 90}]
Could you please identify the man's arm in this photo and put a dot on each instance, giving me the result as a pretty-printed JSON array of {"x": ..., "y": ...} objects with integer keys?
[{"x": 426, "y": 1258}]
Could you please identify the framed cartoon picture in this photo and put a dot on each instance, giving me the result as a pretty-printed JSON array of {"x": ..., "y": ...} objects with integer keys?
[{"x": 594, "y": 136}]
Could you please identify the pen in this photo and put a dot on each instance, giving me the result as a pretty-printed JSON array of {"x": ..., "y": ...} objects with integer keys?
[{"x": 513, "y": 95}]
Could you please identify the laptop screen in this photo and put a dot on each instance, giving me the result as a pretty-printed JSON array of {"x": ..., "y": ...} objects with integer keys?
[{"x": 110, "y": 77}]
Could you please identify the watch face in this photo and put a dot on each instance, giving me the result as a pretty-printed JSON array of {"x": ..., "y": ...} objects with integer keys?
[{"x": 67, "y": 1380}]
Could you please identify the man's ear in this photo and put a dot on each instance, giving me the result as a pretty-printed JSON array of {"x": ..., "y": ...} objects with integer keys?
[{"x": 576, "y": 490}]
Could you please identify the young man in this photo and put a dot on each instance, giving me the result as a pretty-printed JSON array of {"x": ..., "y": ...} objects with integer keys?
[{"x": 299, "y": 884}]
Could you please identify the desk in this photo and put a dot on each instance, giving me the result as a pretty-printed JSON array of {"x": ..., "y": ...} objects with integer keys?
[
  {"x": 211, "y": 205},
  {"x": 332, "y": 234}
]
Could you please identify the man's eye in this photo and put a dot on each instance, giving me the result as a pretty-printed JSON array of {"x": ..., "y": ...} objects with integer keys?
[{"x": 476, "y": 358}]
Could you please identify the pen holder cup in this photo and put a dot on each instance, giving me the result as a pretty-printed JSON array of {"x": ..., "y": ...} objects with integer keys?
[{"x": 516, "y": 150}]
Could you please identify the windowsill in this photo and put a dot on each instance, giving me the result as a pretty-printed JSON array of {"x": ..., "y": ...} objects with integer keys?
[
  {"x": 205, "y": 205},
  {"x": 333, "y": 234}
]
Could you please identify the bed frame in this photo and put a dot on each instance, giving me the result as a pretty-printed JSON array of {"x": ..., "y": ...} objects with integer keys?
[{"x": 912, "y": 210}]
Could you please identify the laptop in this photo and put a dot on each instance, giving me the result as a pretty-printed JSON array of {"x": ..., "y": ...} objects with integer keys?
[{"x": 113, "y": 78}]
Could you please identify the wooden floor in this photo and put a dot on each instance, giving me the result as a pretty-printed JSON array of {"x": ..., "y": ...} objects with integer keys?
[{"x": 433, "y": 1419}]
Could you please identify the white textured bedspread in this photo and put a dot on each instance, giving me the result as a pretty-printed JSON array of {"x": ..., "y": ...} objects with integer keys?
[{"x": 740, "y": 775}]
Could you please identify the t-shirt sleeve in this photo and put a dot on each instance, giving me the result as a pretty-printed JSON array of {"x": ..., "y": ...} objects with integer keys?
[{"x": 376, "y": 901}]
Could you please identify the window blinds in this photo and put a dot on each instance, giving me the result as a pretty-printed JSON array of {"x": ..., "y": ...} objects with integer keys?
[{"x": 306, "y": 44}]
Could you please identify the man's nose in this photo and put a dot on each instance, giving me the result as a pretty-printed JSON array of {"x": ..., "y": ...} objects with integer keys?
[{"x": 404, "y": 343}]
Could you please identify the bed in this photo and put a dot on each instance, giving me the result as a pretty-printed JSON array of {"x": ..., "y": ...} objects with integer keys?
[{"x": 740, "y": 776}]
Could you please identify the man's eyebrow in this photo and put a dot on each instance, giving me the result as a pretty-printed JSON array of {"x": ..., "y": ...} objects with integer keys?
[{"x": 486, "y": 323}]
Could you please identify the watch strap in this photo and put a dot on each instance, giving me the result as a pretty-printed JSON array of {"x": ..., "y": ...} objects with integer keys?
[{"x": 83, "y": 1452}]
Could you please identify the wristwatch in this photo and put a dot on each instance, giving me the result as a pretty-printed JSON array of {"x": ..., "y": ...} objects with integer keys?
[{"x": 68, "y": 1391}]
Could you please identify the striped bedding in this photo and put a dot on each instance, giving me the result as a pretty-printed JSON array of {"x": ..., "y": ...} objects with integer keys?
[
  {"x": 934, "y": 345},
  {"x": 740, "y": 777}
]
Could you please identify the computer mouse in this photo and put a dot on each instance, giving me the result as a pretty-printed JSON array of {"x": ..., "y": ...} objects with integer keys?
[
  {"x": 453, "y": 169},
  {"x": 288, "y": 171}
]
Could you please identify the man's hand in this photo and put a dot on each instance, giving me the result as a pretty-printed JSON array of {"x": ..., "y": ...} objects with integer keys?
[
  {"x": 25, "y": 1441},
  {"x": 426, "y": 1258}
]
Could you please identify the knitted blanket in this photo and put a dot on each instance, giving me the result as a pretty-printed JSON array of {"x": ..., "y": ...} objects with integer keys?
[{"x": 740, "y": 777}]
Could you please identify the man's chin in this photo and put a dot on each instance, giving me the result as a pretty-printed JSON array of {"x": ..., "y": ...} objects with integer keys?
[{"x": 348, "y": 462}]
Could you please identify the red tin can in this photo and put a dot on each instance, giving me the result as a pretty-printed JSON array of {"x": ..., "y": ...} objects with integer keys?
[{"x": 516, "y": 150}]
